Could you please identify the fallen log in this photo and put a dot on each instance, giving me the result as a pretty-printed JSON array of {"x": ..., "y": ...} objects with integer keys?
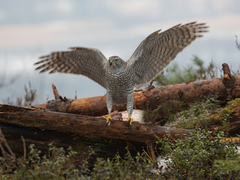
[
  {"x": 227, "y": 87},
  {"x": 80, "y": 124}
]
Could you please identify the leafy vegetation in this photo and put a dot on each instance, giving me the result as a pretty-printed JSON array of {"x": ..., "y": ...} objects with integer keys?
[
  {"x": 59, "y": 164},
  {"x": 138, "y": 167},
  {"x": 199, "y": 156},
  {"x": 176, "y": 74},
  {"x": 198, "y": 113}
]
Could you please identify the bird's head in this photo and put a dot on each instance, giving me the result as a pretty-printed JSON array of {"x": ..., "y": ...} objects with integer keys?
[{"x": 115, "y": 62}]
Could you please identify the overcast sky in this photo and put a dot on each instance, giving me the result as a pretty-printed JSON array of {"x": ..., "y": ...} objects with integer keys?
[{"x": 31, "y": 28}]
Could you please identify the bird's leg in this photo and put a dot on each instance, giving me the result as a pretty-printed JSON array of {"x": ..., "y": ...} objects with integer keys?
[
  {"x": 129, "y": 109},
  {"x": 109, "y": 107}
]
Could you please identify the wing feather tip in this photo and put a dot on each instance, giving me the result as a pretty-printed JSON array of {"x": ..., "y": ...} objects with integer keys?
[
  {"x": 42, "y": 71},
  {"x": 52, "y": 71}
]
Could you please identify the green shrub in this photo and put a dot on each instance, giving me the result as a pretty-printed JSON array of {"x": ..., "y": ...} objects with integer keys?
[
  {"x": 197, "y": 114},
  {"x": 59, "y": 164},
  {"x": 56, "y": 165},
  {"x": 174, "y": 74},
  {"x": 194, "y": 156},
  {"x": 118, "y": 168}
]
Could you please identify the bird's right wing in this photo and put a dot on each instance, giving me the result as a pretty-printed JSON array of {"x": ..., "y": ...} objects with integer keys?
[
  {"x": 156, "y": 51},
  {"x": 85, "y": 61}
]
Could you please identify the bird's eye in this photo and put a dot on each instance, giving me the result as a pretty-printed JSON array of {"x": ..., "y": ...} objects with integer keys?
[{"x": 116, "y": 60}]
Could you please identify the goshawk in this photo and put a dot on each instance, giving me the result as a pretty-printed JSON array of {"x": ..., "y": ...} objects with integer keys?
[{"x": 118, "y": 77}]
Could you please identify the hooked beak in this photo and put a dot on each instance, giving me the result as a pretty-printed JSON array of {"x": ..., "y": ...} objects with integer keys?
[{"x": 110, "y": 62}]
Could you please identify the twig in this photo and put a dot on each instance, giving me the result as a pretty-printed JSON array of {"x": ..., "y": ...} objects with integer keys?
[
  {"x": 237, "y": 44},
  {"x": 3, "y": 152},
  {"x": 152, "y": 152},
  {"x": 24, "y": 149},
  {"x": 11, "y": 155}
]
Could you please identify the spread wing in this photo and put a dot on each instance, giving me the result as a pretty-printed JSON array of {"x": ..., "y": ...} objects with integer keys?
[
  {"x": 156, "y": 51},
  {"x": 85, "y": 61}
]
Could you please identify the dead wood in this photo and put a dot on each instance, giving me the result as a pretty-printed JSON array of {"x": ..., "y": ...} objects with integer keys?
[
  {"x": 233, "y": 126},
  {"x": 55, "y": 92},
  {"x": 79, "y": 124},
  {"x": 227, "y": 87}
]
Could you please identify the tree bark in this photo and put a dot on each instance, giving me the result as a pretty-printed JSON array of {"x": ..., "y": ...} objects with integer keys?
[
  {"x": 79, "y": 124},
  {"x": 227, "y": 87}
]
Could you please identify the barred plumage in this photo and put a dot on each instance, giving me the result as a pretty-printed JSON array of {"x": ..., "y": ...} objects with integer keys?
[{"x": 117, "y": 76}]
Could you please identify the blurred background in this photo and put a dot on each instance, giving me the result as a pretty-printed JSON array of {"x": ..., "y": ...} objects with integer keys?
[{"x": 31, "y": 28}]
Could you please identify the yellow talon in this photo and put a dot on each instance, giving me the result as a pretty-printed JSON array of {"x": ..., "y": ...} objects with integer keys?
[
  {"x": 129, "y": 121},
  {"x": 108, "y": 118}
]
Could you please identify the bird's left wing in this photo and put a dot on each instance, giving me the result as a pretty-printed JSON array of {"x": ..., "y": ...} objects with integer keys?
[
  {"x": 156, "y": 51},
  {"x": 80, "y": 60}
]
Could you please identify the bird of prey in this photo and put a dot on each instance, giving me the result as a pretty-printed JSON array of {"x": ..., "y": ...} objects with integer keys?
[{"x": 120, "y": 77}]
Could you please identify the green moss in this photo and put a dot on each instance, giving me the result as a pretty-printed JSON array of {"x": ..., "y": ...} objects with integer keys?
[
  {"x": 226, "y": 113},
  {"x": 223, "y": 114},
  {"x": 205, "y": 112},
  {"x": 234, "y": 103}
]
